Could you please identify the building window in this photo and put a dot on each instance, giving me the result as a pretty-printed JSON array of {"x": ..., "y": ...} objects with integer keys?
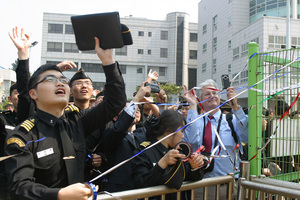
[
  {"x": 236, "y": 53},
  {"x": 54, "y": 46},
  {"x": 277, "y": 41},
  {"x": 204, "y": 29},
  {"x": 92, "y": 67},
  {"x": 244, "y": 49},
  {"x": 71, "y": 47},
  {"x": 163, "y": 52},
  {"x": 229, "y": 21},
  {"x": 89, "y": 52},
  {"x": 244, "y": 76},
  {"x": 140, "y": 51},
  {"x": 193, "y": 37},
  {"x": 203, "y": 67},
  {"x": 139, "y": 70},
  {"x": 149, "y": 51},
  {"x": 69, "y": 29},
  {"x": 214, "y": 66},
  {"x": 162, "y": 71},
  {"x": 215, "y": 42},
  {"x": 164, "y": 35},
  {"x": 55, "y": 28},
  {"x": 294, "y": 41},
  {"x": 141, "y": 33},
  {"x": 229, "y": 44},
  {"x": 229, "y": 68},
  {"x": 98, "y": 85},
  {"x": 204, "y": 48},
  {"x": 121, "y": 51},
  {"x": 123, "y": 69},
  {"x": 193, "y": 54},
  {"x": 215, "y": 22},
  {"x": 149, "y": 34}
]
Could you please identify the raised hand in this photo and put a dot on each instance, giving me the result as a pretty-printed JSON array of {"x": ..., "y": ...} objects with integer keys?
[
  {"x": 140, "y": 95},
  {"x": 188, "y": 95},
  {"x": 161, "y": 96},
  {"x": 231, "y": 93},
  {"x": 152, "y": 76},
  {"x": 21, "y": 41},
  {"x": 65, "y": 65},
  {"x": 104, "y": 55}
]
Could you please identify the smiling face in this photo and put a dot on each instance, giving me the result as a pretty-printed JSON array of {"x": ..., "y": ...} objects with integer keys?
[
  {"x": 82, "y": 89},
  {"x": 49, "y": 95},
  {"x": 208, "y": 93}
]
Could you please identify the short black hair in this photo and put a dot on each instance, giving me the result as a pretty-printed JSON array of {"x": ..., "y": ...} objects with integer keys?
[
  {"x": 12, "y": 88},
  {"x": 36, "y": 75},
  {"x": 169, "y": 120}
]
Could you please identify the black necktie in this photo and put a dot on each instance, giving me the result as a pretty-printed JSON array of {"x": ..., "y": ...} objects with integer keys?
[{"x": 69, "y": 154}]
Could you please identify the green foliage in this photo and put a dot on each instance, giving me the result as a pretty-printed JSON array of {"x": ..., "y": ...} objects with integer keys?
[
  {"x": 4, "y": 103},
  {"x": 14, "y": 65}
]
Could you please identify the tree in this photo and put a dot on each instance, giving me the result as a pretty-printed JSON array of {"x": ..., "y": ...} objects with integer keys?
[
  {"x": 171, "y": 89},
  {"x": 14, "y": 65}
]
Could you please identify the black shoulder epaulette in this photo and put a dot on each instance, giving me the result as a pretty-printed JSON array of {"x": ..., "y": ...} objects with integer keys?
[
  {"x": 28, "y": 124},
  {"x": 145, "y": 144},
  {"x": 71, "y": 108}
]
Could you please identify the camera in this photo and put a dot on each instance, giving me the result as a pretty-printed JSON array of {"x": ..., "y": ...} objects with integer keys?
[
  {"x": 154, "y": 87},
  {"x": 225, "y": 81}
]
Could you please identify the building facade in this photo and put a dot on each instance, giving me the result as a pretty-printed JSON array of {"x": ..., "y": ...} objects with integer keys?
[
  {"x": 227, "y": 26},
  {"x": 168, "y": 47},
  {"x": 9, "y": 78}
]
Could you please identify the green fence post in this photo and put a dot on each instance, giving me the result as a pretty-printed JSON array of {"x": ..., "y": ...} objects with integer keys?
[{"x": 253, "y": 123}]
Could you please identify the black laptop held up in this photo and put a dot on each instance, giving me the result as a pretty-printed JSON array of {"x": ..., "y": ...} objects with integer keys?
[{"x": 105, "y": 26}]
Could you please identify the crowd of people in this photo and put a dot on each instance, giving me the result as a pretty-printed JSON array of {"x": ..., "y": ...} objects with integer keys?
[{"x": 58, "y": 137}]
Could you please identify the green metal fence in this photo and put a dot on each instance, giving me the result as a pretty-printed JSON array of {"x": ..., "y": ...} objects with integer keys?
[{"x": 268, "y": 101}]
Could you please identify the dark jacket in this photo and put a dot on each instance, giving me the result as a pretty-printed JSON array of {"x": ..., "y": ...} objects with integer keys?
[
  {"x": 147, "y": 173},
  {"x": 40, "y": 169},
  {"x": 120, "y": 179}
]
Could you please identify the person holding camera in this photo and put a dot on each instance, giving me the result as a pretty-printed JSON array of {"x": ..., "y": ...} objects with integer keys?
[
  {"x": 164, "y": 163},
  {"x": 203, "y": 131}
]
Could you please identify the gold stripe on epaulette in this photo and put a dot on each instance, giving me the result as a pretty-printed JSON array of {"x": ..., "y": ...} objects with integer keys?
[
  {"x": 16, "y": 141},
  {"x": 75, "y": 108},
  {"x": 71, "y": 108},
  {"x": 28, "y": 124},
  {"x": 145, "y": 144}
]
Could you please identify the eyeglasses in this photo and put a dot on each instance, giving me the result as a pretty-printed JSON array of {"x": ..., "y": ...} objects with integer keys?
[
  {"x": 53, "y": 79},
  {"x": 80, "y": 83}
]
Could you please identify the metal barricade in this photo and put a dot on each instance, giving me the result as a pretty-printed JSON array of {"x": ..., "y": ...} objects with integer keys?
[
  {"x": 264, "y": 188},
  {"x": 163, "y": 190}
]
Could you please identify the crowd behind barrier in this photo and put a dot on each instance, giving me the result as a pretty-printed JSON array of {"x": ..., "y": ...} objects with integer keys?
[{"x": 102, "y": 144}]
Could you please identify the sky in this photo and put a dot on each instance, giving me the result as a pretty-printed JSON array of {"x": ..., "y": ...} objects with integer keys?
[{"x": 28, "y": 14}]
